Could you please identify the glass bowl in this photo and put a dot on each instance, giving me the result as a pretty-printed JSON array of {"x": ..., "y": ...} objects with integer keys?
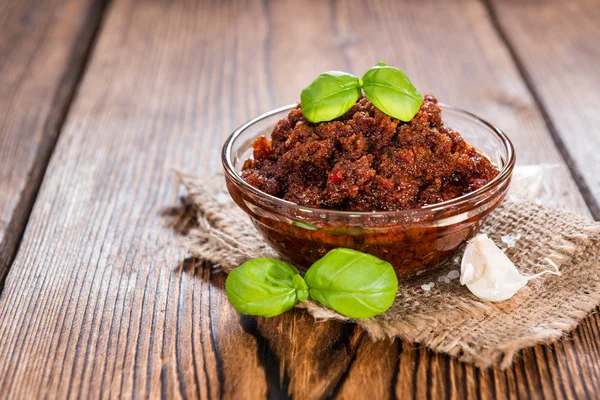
[{"x": 416, "y": 240}]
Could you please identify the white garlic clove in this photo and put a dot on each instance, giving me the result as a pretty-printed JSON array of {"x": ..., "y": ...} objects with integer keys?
[
  {"x": 488, "y": 272},
  {"x": 467, "y": 273}
]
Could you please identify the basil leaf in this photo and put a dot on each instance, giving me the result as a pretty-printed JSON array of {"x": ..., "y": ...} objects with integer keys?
[
  {"x": 354, "y": 284},
  {"x": 329, "y": 96},
  {"x": 305, "y": 225},
  {"x": 265, "y": 286},
  {"x": 301, "y": 287},
  {"x": 390, "y": 90}
]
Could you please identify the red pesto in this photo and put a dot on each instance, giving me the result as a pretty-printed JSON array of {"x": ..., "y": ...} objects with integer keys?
[{"x": 367, "y": 161}]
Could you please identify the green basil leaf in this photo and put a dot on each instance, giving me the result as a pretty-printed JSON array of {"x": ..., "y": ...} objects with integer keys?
[
  {"x": 301, "y": 287},
  {"x": 390, "y": 90},
  {"x": 329, "y": 96},
  {"x": 305, "y": 225},
  {"x": 265, "y": 286},
  {"x": 354, "y": 284}
]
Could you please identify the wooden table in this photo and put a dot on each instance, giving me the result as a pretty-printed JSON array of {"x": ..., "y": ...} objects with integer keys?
[{"x": 99, "y": 99}]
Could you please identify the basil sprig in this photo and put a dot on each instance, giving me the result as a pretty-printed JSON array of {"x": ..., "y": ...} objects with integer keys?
[
  {"x": 355, "y": 284},
  {"x": 333, "y": 93}
]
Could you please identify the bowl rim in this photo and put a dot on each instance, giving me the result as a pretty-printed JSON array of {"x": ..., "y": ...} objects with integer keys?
[{"x": 452, "y": 204}]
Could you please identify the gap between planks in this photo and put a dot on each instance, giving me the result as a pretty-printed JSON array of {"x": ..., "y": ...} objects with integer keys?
[
  {"x": 68, "y": 87},
  {"x": 584, "y": 189}
]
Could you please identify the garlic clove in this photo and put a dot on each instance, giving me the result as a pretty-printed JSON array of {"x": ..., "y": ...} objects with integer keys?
[
  {"x": 467, "y": 273},
  {"x": 488, "y": 273}
]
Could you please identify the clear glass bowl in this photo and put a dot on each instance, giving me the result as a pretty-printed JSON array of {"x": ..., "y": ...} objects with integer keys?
[{"x": 411, "y": 240}]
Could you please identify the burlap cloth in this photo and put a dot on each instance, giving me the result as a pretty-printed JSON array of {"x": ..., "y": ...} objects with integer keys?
[{"x": 446, "y": 318}]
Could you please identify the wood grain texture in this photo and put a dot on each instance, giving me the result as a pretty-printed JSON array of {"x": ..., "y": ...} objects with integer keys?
[
  {"x": 558, "y": 46},
  {"x": 42, "y": 49},
  {"x": 102, "y": 302}
]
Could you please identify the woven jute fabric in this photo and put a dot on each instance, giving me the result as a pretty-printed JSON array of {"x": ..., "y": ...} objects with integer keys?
[{"x": 446, "y": 317}]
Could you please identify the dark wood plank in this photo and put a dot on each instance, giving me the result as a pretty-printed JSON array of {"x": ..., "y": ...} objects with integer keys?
[
  {"x": 556, "y": 44},
  {"x": 101, "y": 300},
  {"x": 467, "y": 53},
  {"x": 43, "y": 46},
  {"x": 379, "y": 378}
]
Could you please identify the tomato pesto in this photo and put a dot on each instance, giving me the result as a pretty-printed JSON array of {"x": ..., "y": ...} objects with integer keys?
[
  {"x": 369, "y": 144},
  {"x": 366, "y": 160}
]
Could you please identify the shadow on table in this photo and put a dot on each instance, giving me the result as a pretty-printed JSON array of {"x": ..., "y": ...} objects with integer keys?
[{"x": 299, "y": 355}]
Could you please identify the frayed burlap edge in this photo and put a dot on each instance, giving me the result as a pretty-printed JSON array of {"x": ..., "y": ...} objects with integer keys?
[{"x": 448, "y": 319}]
